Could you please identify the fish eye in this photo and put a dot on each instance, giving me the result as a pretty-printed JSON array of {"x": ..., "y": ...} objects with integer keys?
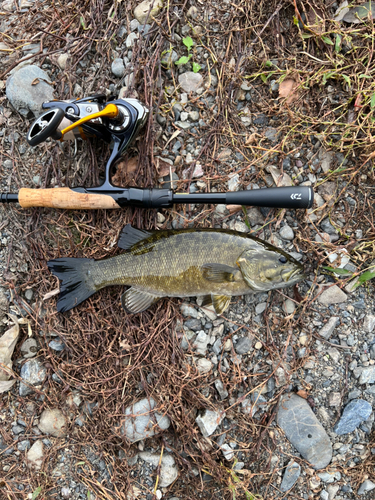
[{"x": 283, "y": 260}]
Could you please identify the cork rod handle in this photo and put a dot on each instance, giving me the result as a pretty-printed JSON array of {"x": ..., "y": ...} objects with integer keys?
[{"x": 64, "y": 198}]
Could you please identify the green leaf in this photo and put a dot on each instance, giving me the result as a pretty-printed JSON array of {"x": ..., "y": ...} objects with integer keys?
[
  {"x": 328, "y": 75},
  {"x": 372, "y": 101},
  {"x": 196, "y": 67},
  {"x": 188, "y": 42},
  {"x": 341, "y": 272},
  {"x": 366, "y": 276},
  {"x": 338, "y": 43},
  {"x": 295, "y": 20},
  {"x": 36, "y": 492},
  {"x": 183, "y": 60},
  {"x": 306, "y": 35},
  {"x": 268, "y": 64},
  {"x": 364, "y": 76},
  {"x": 347, "y": 79},
  {"x": 327, "y": 40},
  {"x": 263, "y": 78},
  {"x": 82, "y": 21}
]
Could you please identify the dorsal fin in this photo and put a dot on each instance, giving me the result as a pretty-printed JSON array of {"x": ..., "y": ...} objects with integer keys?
[{"x": 129, "y": 236}]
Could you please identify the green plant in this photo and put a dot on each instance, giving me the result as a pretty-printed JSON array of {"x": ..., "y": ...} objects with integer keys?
[{"x": 189, "y": 43}]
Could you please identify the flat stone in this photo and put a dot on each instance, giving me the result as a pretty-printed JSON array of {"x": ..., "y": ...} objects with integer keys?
[
  {"x": 369, "y": 323},
  {"x": 291, "y": 474},
  {"x": 356, "y": 412},
  {"x": 366, "y": 486},
  {"x": 367, "y": 375},
  {"x": 168, "y": 469},
  {"x": 220, "y": 389},
  {"x": 62, "y": 61},
  {"x": 189, "y": 81},
  {"x": 131, "y": 39},
  {"x": 142, "y": 9},
  {"x": 53, "y": 422},
  {"x": 28, "y": 88},
  {"x": 304, "y": 431},
  {"x": 326, "y": 159},
  {"x": 332, "y": 490},
  {"x": 243, "y": 345},
  {"x": 234, "y": 182},
  {"x": 329, "y": 327},
  {"x": 327, "y": 477},
  {"x": 332, "y": 295},
  {"x": 209, "y": 421},
  {"x": 143, "y": 421},
  {"x": 34, "y": 373},
  {"x": 29, "y": 348},
  {"x": 35, "y": 455},
  {"x": 289, "y": 306}
]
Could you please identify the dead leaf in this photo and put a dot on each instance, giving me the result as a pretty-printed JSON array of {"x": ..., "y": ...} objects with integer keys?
[
  {"x": 163, "y": 168},
  {"x": 173, "y": 136},
  {"x": 287, "y": 89},
  {"x": 360, "y": 14},
  {"x": 125, "y": 345},
  {"x": 225, "y": 154},
  {"x": 233, "y": 208},
  {"x": 303, "y": 394},
  {"x": 125, "y": 170},
  {"x": 7, "y": 344},
  {"x": 341, "y": 11},
  {"x": 281, "y": 180},
  {"x": 315, "y": 20},
  {"x": 35, "y": 81},
  {"x": 51, "y": 294},
  {"x": 252, "y": 138}
]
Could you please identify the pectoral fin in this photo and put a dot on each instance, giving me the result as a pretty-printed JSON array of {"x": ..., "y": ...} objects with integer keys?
[
  {"x": 220, "y": 302},
  {"x": 136, "y": 301},
  {"x": 219, "y": 273}
]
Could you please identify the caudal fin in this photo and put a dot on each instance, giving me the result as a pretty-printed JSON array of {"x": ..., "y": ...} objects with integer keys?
[{"x": 76, "y": 282}]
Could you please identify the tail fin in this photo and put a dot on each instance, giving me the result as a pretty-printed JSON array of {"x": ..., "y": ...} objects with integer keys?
[{"x": 76, "y": 282}]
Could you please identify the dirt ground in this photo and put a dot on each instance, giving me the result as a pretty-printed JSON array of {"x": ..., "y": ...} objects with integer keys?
[{"x": 286, "y": 90}]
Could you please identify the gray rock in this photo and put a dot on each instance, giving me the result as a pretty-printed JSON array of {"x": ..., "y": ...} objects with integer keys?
[
  {"x": 327, "y": 227},
  {"x": 141, "y": 12},
  {"x": 234, "y": 182},
  {"x": 369, "y": 323},
  {"x": 209, "y": 421},
  {"x": 57, "y": 345},
  {"x": 367, "y": 375},
  {"x": 169, "y": 58},
  {"x": 131, "y": 39},
  {"x": 287, "y": 233},
  {"x": 353, "y": 415},
  {"x": 35, "y": 455},
  {"x": 292, "y": 473},
  {"x": 332, "y": 295},
  {"x": 53, "y": 422},
  {"x": 227, "y": 451},
  {"x": 326, "y": 159},
  {"x": 29, "y": 348},
  {"x": 255, "y": 216},
  {"x": 134, "y": 23},
  {"x": 243, "y": 345},
  {"x": 118, "y": 67},
  {"x": 220, "y": 389},
  {"x": 324, "y": 495},
  {"x": 168, "y": 469},
  {"x": 366, "y": 486},
  {"x": 142, "y": 421},
  {"x": 62, "y": 61},
  {"x": 329, "y": 327},
  {"x": 332, "y": 489},
  {"x": 188, "y": 310},
  {"x": 304, "y": 431},
  {"x": 27, "y": 89},
  {"x": 23, "y": 445},
  {"x": 34, "y": 373},
  {"x": 329, "y": 477},
  {"x": 190, "y": 82},
  {"x": 204, "y": 365},
  {"x": 289, "y": 306}
]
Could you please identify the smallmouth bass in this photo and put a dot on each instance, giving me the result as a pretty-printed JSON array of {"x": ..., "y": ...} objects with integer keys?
[{"x": 213, "y": 263}]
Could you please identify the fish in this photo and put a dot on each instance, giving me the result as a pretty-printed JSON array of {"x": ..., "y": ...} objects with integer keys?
[{"x": 215, "y": 264}]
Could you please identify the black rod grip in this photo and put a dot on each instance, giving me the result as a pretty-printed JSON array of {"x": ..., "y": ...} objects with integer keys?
[{"x": 279, "y": 197}]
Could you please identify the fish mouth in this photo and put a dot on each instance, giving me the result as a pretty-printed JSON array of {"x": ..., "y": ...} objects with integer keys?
[{"x": 293, "y": 275}]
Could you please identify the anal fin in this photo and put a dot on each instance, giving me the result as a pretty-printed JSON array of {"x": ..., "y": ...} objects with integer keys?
[
  {"x": 135, "y": 301},
  {"x": 220, "y": 302}
]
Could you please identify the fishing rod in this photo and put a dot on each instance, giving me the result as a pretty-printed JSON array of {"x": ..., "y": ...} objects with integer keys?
[{"x": 119, "y": 122}]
